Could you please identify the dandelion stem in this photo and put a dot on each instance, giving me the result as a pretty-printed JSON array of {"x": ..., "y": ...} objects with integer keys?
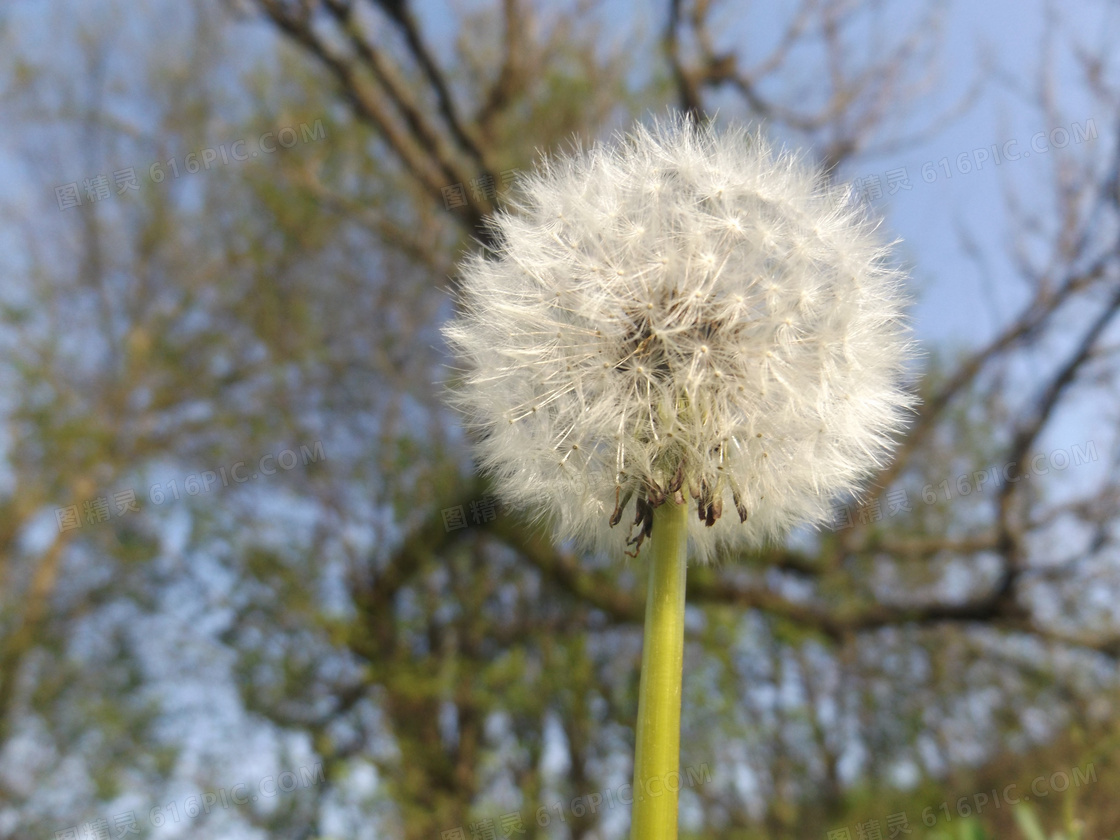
[{"x": 658, "y": 733}]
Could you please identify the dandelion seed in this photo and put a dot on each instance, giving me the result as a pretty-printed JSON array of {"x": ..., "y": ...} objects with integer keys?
[{"x": 709, "y": 290}]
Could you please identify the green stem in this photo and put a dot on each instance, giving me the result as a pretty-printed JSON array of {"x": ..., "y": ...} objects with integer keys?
[{"x": 658, "y": 736}]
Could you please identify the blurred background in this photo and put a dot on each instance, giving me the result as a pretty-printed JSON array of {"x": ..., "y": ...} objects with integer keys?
[{"x": 250, "y": 585}]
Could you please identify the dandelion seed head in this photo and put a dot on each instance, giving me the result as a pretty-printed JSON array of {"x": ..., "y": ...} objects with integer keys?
[{"x": 681, "y": 313}]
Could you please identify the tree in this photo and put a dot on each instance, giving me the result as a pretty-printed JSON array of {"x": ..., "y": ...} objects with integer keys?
[{"x": 277, "y": 303}]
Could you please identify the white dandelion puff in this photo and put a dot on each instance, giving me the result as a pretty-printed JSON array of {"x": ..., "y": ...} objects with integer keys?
[{"x": 681, "y": 313}]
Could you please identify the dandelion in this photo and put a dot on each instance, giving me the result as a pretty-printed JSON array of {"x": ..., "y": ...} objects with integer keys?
[{"x": 680, "y": 320}]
